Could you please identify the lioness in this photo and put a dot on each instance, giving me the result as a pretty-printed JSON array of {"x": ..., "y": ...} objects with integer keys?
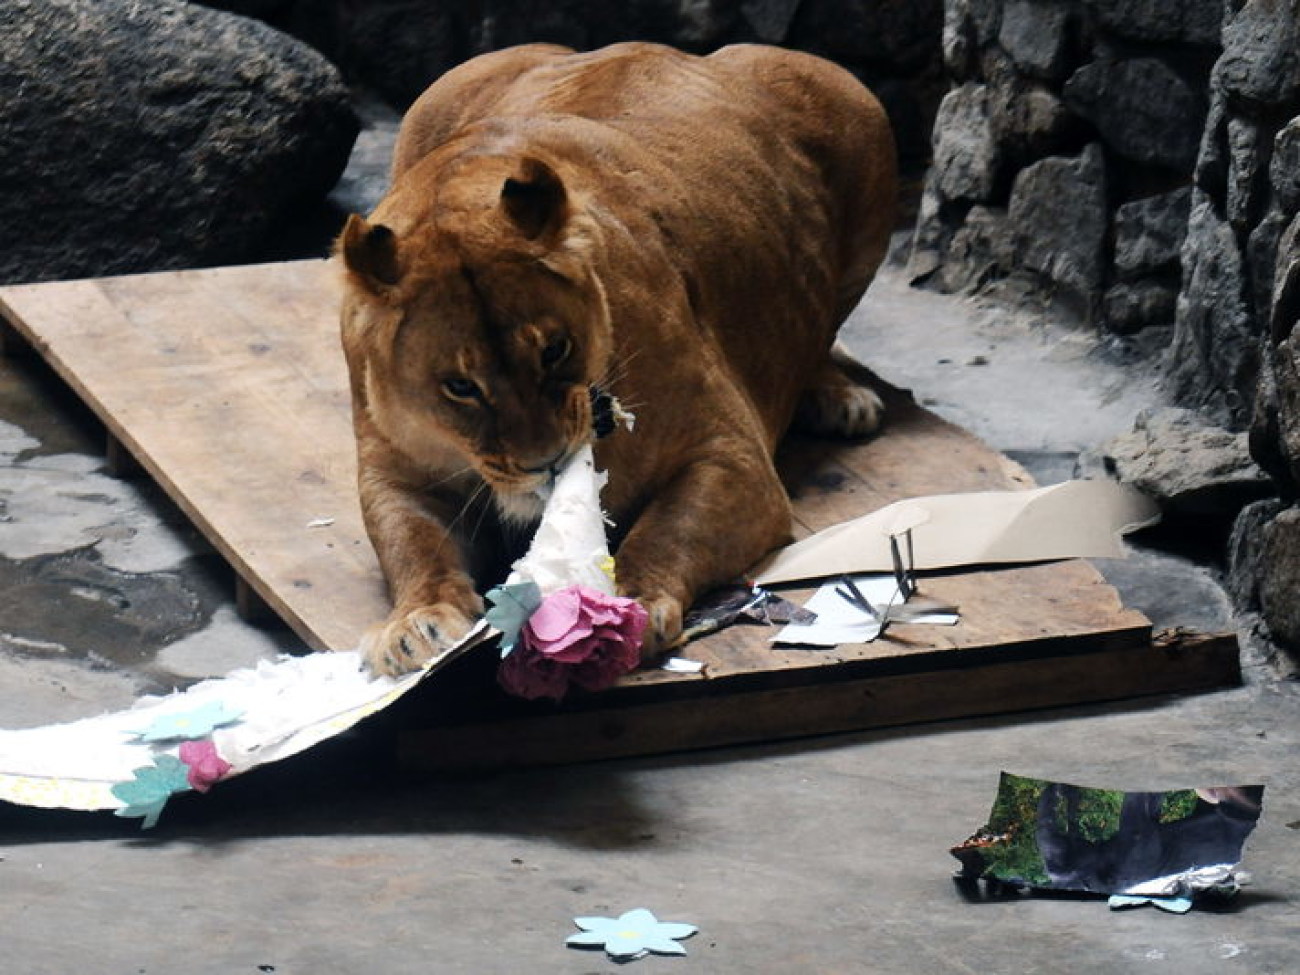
[{"x": 684, "y": 233}]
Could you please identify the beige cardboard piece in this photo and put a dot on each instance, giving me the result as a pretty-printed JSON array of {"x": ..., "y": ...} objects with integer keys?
[{"x": 1075, "y": 519}]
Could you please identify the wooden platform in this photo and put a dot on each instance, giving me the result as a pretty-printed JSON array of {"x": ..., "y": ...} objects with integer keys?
[{"x": 228, "y": 387}]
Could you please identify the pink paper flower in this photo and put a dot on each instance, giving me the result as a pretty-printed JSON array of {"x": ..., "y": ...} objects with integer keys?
[
  {"x": 577, "y": 636},
  {"x": 206, "y": 767}
]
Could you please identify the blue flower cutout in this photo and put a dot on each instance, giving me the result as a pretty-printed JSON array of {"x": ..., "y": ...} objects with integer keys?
[
  {"x": 147, "y": 794},
  {"x": 191, "y": 725},
  {"x": 509, "y": 608},
  {"x": 634, "y": 934}
]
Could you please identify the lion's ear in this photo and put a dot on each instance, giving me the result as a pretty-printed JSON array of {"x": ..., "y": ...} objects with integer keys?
[
  {"x": 370, "y": 252},
  {"x": 534, "y": 199}
]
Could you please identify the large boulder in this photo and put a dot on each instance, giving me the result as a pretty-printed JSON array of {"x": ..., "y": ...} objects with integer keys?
[{"x": 156, "y": 135}]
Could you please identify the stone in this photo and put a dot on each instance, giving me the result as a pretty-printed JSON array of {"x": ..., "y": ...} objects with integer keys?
[
  {"x": 1037, "y": 37},
  {"x": 1260, "y": 64},
  {"x": 1161, "y": 21},
  {"x": 1279, "y": 565},
  {"x": 1245, "y": 545},
  {"x": 982, "y": 248},
  {"x": 966, "y": 155},
  {"x": 1211, "y": 173},
  {"x": 1284, "y": 167},
  {"x": 158, "y": 135},
  {"x": 1059, "y": 218},
  {"x": 1149, "y": 233},
  {"x": 1262, "y": 263},
  {"x": 1143, "y": 109},
  {"x": 1284, "y": 314},
  {"x": 1131, "y": 306},
  {"x": 1186, "y": 464},
  {"x": 1246, "y": 178},
  {"x": 1029, "y": 121},
  {"x": 968, "y": 27},
  {"x": 1284, "y": 374},
  {"x": 1213, "y": 359}
]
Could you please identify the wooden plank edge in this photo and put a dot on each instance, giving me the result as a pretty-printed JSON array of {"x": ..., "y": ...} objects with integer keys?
[
  {"x": 1181, "y": 663},
  {"x": 122, "y": 452}
]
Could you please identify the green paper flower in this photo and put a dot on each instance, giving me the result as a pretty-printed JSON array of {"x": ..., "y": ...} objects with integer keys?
[
  {"x": 147, "y": 794},
  {"x": 509, "y": 607},
  {"x": 190, "y": 725},
  {"x": 636, "y": 933}
]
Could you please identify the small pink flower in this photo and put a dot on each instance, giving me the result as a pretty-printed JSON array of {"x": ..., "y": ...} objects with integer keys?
[
  {"x": 206, "y": 767},
  {"x": 577, "y": 636}
]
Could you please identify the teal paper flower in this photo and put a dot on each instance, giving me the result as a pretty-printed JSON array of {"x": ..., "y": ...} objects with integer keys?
[
  {"x": 634, "y": 934},
  {"x": 509, "y": 608},
  {"x": 147, "y": 794},
  {"x": 190, "y": 725}
]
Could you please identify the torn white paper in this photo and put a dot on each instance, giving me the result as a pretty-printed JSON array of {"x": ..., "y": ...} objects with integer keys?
[
  {"x": 288, "y": 705},
  {"x": 839, "y": 621}
]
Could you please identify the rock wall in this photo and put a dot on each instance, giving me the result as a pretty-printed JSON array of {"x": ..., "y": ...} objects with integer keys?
[
  {"x": 1142, "y": 158},
  {"x": 1238, "y": 340},
  {"x": 398, "y": 47},
  {"x": 1065, "y": 150}
]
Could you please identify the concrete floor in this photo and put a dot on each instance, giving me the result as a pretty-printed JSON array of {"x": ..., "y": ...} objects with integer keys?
[{"x": 826, "y": 855}]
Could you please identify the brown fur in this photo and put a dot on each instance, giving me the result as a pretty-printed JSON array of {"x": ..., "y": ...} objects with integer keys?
[{"x": 687, "y": 232}]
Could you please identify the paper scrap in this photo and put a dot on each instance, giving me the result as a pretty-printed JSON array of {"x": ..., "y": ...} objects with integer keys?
[
  {"x": 1076, "y": 519},
  {"x": 839, "y": 621},
  {"x": 680, "y": 665},
  {"x": 1052, "y": 835},
  {"x": 631, "y": 935},
  {"x": 288, "y": 705},
  {"x": 569, "y": 547}
]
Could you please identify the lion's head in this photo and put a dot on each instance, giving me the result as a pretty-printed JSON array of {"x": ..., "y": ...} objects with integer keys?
[{"x": 473, "y": 324}]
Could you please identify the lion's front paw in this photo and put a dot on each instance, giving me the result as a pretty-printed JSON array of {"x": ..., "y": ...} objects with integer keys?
[
  {"x": 409, "y": 639},
  {"x": 663, "y": 628}
]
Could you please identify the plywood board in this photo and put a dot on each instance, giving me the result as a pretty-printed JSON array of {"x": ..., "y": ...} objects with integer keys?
[{"x": 228, "y": 387}]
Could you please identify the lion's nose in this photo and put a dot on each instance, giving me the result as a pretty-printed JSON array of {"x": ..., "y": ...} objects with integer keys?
[{"x": 551, "y": 464}]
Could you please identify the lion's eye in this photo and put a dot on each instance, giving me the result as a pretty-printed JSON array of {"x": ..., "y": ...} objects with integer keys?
[
  {"x": 460, "y": 388},
  {"x": 556, "y": 351}
]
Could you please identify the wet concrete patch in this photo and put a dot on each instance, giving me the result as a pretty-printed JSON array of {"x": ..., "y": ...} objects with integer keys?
[{"x": 70, "y": 606}]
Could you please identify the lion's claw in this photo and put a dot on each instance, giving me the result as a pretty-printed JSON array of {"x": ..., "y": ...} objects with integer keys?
[{"x": 408, "y": 640}]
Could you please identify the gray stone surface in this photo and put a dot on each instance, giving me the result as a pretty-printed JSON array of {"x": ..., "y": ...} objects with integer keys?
[
  {"x": 1143, "y": 109},
  {"x": 1037, "y": 36},
  {"x": 968, "y": 26},
  {"x": 966, "y": 155},
  {"x": 1244, "y": 547},
  {"x": 155, "y": 135},
  {"x": 1149, "y": 233},
  {"x": 1284, "y": 167},
  {"x": 1059, "y": 219},
  {"x": 1214, "y": 358},
  {"x": 1279, "y": 563},
  {"x": 1029, "y": 121},
  {"x": 1188, "y": 465},
  {"x": 1260, "y": 65},
  {"x": 1247, "y": 179},
  {"x": 1180, "y": 21},
  {"x": 1130, "y": 307}
]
